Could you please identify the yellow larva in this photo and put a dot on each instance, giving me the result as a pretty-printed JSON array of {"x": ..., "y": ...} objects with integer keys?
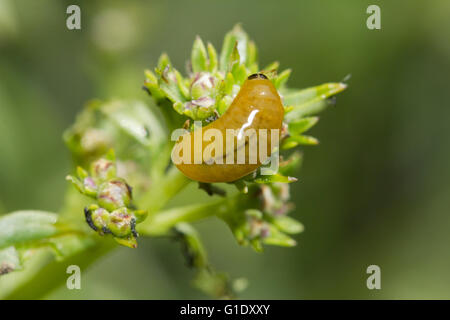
[{"x": 256, "y": 106}]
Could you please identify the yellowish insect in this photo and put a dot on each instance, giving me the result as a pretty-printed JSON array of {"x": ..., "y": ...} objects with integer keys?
[{"x": 256, "y": 106}]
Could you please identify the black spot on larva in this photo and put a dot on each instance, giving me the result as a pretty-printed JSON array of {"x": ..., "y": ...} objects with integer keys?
[{"x": 257, "y": 76}]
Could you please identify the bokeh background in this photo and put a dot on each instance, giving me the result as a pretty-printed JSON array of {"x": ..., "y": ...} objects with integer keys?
[{"x": 375, "y": 191}]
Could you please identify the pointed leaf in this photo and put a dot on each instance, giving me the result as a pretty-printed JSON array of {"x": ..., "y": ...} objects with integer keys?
[
  {"x": 182, "y": 85},
  {"x": 273, "y": 67},
  {"x": 277, "y": 238},
  {"x": 282, "y": 78},
  {"x": 169, "y": 85},
  {"x": 293, "y": 141},
  {"x": 311, "y": 100},
  {"x": 236, "y": 38},
  {"x": 299, "y": 126},
  {"x": 288, "y": 167},
  {"x": 288, "y": 225},
  {"x": 239, "y": 73},
  {"x": 163, "y": 61},
  {"x": 199, "y": 58},
  {"x": 274, "y": 178},
  {"x": 252, "y": 57},
  {"x": 212, "y": 65},
  {"x": 151, "y": 84},
  {"x": 137, "y": 120}
]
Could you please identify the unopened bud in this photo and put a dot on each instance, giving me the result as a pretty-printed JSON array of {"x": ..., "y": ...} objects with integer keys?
[
  {"x": 122, "y": 223},
  {"x": 114, "y": 194},
  {"x": 202, "y": 86},
  {"x": 100, "y": 219},
  {"x": 103, "y": 169}
]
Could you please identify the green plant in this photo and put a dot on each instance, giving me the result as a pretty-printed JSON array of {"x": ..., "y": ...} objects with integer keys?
[{"x": 124, "y": 179}]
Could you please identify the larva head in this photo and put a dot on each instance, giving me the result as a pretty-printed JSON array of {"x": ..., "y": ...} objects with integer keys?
[
  {"x": 257, "y": 76},
  {"x": 260, "y": 92}
]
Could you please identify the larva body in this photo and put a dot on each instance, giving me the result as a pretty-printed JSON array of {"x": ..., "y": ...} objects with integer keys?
[{"x": 256, "y": 106}]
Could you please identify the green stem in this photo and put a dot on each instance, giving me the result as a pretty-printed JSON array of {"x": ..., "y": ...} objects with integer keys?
[
  {"x": 162, "y": 191},
  {"x": 35, "y": 282},
  {"x": 162, "y": 222}
]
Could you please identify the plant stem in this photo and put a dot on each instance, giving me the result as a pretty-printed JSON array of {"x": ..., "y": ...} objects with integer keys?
[
  {"x": 163, "y": 190},
  {"x": 162, "y": 222},
  {"x": 35, "y": 282}
]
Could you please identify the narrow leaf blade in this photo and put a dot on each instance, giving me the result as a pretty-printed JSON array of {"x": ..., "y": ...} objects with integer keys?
[{"x": 22, "y": 226}]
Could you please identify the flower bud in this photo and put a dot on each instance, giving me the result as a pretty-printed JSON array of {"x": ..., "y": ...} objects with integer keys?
[
  {"x": 122, "y": 223},
  {"x": 258, "y": 228},
  {"x": 114, "y": 194},
  {"x": 103, "y": 169},
  {"x": 90, "y": 188},
  {"x": 100, "y": 219},
  {"x": 202, "y": 85}
]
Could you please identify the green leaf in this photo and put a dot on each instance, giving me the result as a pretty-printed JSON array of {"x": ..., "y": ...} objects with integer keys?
[
  {"x": 310, "y": 108},
  {"x": 293, "y": 141},
  {"x": 274, "y": 178},
  {"x": 236, "y": 41},
  {"x": 168, "y": 84},
  {"x": 311, "y": 100},
  {"x": 288, "y": 225},
  {"x": 273, "y": 67},
  {"x": 151, "y": 84},
  {"x": 282, "y": 78},
  {"x": 76, "y": 183},
  {"x": 278, "y": 238},
  {"x": 239, "y": 73},
  {"x": 227, "y": 49},
  {"x": 322, "y": 91},
  {"x": 182, "y": 85},
  {"x": 163, "y": 61},
  {"x": 228, "y": 83},
  {"x": 288, "y": 109},
  {"x": 297, "y": 127},
  {"x": 234, "y": 59},
  {"x": 288, "y": 166},
  {"x": 212, "y": 65},
  {"x": 252, "y": 57},
  {"x": 137, "y": 120},
  {"x": 257, "y": 245},
  {"x": 254, "y": 213},
  {"x": 199, "y": 58},
  {"x": 22, "y": 226}
]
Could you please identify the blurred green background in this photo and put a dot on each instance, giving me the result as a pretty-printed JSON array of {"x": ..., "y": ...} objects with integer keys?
[{"x": 375, "y": 191}]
